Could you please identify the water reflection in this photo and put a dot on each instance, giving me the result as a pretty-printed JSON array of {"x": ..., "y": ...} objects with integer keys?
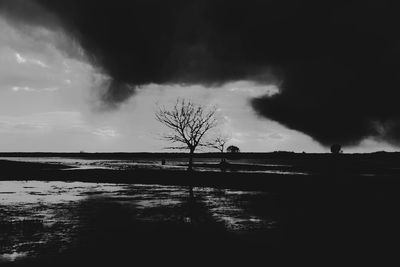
[
  {"x": 201, "y": 164},
  {"x": 48, "y": 217},
  {"x": 12, "y": 256}
]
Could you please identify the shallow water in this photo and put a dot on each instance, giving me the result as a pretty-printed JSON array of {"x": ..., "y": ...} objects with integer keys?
[
  {"x": 171, "y": 164},
  {"x": 47, "y": 217}
]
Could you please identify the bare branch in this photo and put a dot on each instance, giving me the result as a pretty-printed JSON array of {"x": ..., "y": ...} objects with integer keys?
[
  {"x": 189, "y": 122},
  {"x": 219, "y": 142}
]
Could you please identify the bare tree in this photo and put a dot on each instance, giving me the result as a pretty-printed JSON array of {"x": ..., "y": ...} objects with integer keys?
[
  {"x": 189, "y": 123},
  {"x": 219, "y": 143}
]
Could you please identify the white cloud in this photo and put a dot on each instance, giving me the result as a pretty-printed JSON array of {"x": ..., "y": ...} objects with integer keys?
[
  {"x": 252, "y": 89},
  {"x": 20, "y": 59},
  {"x": 48, "y": 120},
  {"x": 30, "y": 89},
  {"x": 106, "y": 132},
  {"x": 23, "y": 60},
  {"x": 39, "y": 63},
  {"x": 32, "y": 56}
]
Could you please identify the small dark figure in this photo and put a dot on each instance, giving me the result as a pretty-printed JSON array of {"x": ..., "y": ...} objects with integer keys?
[
  {"x": 336, "y": 149},
  {"x": 163, "y": 162}
]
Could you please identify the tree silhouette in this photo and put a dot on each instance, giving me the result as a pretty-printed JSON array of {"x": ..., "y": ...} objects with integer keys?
[
  {"x": 189, "y": 123},
  {"x": 219, "y": 143},
  {"x": 336, "y": 149},
  {"x": 232, "y": 149}
]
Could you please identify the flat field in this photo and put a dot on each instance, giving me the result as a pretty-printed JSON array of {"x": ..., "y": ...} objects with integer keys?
[{"x": 67, "y": 210}]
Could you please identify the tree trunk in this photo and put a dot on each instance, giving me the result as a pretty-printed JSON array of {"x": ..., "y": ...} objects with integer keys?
[
  {"x": 190, "y": 168},
  {"x": 222, "y": 157}
]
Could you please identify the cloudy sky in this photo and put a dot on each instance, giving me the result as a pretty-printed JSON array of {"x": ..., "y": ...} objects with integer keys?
[{"x": 77, "y": 77}]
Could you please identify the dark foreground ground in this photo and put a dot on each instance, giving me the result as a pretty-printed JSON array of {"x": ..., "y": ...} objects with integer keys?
[{"x": 332, "y": 217}]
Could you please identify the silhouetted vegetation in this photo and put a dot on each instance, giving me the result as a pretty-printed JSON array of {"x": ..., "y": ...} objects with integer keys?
[
  {"x": 336, "y": 149},
  {"x": 219, "y": 143},
  {"x": 189, "y": 123},
  {"x": 232, "y": 149}
]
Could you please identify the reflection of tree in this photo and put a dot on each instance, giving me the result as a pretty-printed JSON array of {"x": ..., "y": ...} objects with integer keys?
[
  {"x": 189, "y": 123},
  {"x": 196, "y": 212},
  {"x": 191, "y": 206}
]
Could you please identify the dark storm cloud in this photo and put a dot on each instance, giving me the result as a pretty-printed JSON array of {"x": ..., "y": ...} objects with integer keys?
[
  {"x": 28, "y": 11},
  {"x": 176, "y": 41},
  {"x": 337, "y": 62}
]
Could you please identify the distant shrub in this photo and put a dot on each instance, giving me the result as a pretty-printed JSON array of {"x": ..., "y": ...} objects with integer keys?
[
  {"x": 336, "y": 149},
  {"x": 232, "y": 149}
]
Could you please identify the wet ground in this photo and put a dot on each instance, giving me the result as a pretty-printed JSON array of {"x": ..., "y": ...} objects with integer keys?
[
  {"x": 43, "y": 220},
  {"x": 201, "y": 164},
  {"x": 54, "y": 220}
]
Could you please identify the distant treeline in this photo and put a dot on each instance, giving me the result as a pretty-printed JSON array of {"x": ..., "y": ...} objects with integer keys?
[{"x": 242, "y": 155}]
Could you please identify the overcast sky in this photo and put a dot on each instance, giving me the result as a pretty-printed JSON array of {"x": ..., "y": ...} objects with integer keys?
[{"x": 52, "y": 99}]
